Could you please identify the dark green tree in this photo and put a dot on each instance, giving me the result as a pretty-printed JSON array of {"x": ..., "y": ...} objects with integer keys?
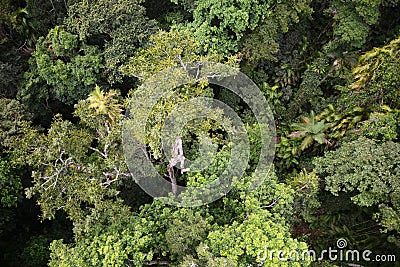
[
  {"x": 119, "y": 27},
  {"x": 370, "y": 171},
  {"x": 61, "y": 68}
]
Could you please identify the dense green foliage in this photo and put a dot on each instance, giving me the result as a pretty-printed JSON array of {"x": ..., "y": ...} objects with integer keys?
[
  {"x": 368, "y": 169},
  {"x": 69, "y": 70},
  {"x": 119, "y": 27}
]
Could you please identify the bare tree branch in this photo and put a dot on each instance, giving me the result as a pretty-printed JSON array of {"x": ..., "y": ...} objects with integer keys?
[
  {"x": 177, "y": 157},
  {"x": 274, "y": 202}
]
